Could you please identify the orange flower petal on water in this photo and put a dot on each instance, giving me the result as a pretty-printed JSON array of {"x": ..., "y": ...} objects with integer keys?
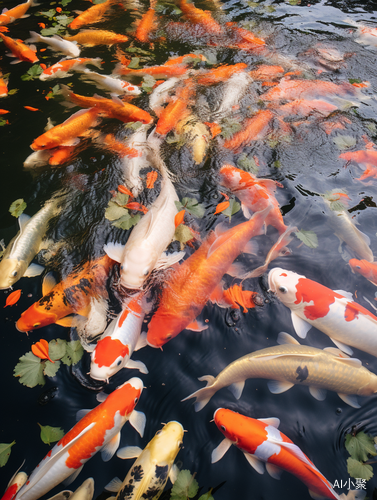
[
  {"x": 4, "y": 111},
  {"x": 30, "y": 108},
  {"x": 4, "y": 29},
  {"x": 42, "y": 50},
  {"x": 40, "y": 349},
  {"x": 151, "y": 179},
  {"x": 124, "y": 190},
  {"x": 42, "y": 25},
  {"x": 134, "y": 205},
  {"x": 13, "y": 298},
  {"x": 222, "y": 206},
  {"x": 225, "y": 196},
  {"x": 58, "y": 9},
  {"x": 178, "y": 219}
]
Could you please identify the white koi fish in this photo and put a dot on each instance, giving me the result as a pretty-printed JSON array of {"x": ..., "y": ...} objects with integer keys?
[
  {"x": 334, "y": 313},
  {"x": 56, "y": 43},
  {"x": 63, "y": 68},
  {"x": 109, "y": 83},
  {"x": 233, "y": 91},
  {"x": 161, "y": 95},
  {"x": 98, "y": 429},
  {"x": 121, "y": 338},
  {"x": 132, "y": 166},
  {"x": 144, "y": 250},
  {"x": 155, "y": 464}
]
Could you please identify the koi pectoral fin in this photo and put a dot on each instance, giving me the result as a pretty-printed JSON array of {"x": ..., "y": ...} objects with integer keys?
[
  {"x": 278, "y": 386},
  {"x": 33, "y": 270},
  {"x": 220, "y": 451},
  {"x": 137, "y": 365},
  {"x": 173, "y": 473},
  {"x": 137, "y": 420},
  {"x": 114, "y": 485},
  {"x": 274, "y": 471},
  {"x": 301, "y": 326},
  {"x": 196, "y": 326},
  {"x": 255, "y": 463},
  {"x": 129, "y": 452},
  {"x": 343, "y": 347},
  {"x": 237, "y": 388},
  {"x": 72, "y": 477},
  {"x": 108, "y": 451}
]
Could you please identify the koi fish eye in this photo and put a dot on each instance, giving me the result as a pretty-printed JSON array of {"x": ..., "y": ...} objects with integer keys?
[
  {"x": 180, "y": 444},
  {"x": 136, "y": 400},
  {"x": 358, "y": 267},
  {"x": 283, "y": 289},
  {"x": 14, "y": 274},
  {"x": 168, "y": 336},
  {"x": 146, "y": 272},
  {"x": 158, "y": 433},
  {"x": 35, "y": 325},
  {"x": 223, "y": 428},
  {"x": 119, "y": 362}
]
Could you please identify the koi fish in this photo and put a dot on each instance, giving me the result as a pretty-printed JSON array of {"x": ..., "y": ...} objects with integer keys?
[
  {"x": 71, "y": 296},
  {"x": 112, "y": 108},
  {"x": 365, "y": 268},
  {"x": 367, "y": 158},
  {"x": 243, "y": 38},
  {"x": 131, "y": 166},
  {"x": 9, "y": 16},
  {"x": 63, "y": 68},
  {"x": 334, "y": 313},
  {"x": 16, "y": 261},
  {"x": 3, "y": 86},
  {"x": 121, "y": 338},
  {"x": 253, "y": 129},
  {"x": 83, "y": 492},
  {"x": 176, "y": 66},
  {"x": 56, "y": 43},
  {"x": 110, "y": 143},
  {"x": 91, "y": 38},
  {"x": 177, "y": 108},
  {"x": 367, "y": 35},
  {"x": 67, "y": 133},
  {"x": 191, "y": 284},
  {"x": 95, "y": 14},
  {"x": 115, "y": 85},
  {"x": 196, "y": 134},
  {"x": 262, "y": 442},
  {"x": 161, "y": 95},
  {"x": 233, "y": 91},
  {"x": 264, "y": 72},
  {"x": 146, "y": 26},
  {"x": 200, "y": 17},
  {"x": 305, "y": 107},
  {"x": 98, "y": 429},
  {"x": 144, "y": 250},
  {"x": 289, "y": 364},
  {"x": 220, "y": 74},
  {"x": 154, "y": 465},
  {"x": 236, "y": 298},
  {"x": 254, "y": 194},
  {"x": 19, "y": 50},
  {"x": 14, "y": 485}
]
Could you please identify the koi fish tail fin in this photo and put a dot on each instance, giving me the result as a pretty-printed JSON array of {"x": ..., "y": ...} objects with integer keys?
[
  {"x": 203, "y": 395},
  {"x": 34, "y": 37},
  {"x": 66, "y": 93},
  {"x": 353, "y": 495}
]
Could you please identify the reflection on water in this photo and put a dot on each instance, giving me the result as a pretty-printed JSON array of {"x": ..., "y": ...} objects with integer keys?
[{"x": 301, "y": 151}]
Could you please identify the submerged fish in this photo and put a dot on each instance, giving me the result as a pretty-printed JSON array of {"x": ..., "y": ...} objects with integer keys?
[
  {"x": 22, "y": 249},
  {"x": 14, "y": 485},
  {"x": 155, "y": 464},
  {"x": 196, "y": 135},
  {"x": 262, "y": 443},
  {"x": 365, "y": 268},
  {"x": 90, "y": 38},
  {"x": 290, "y": 364},
  {"x": 334, "y": 313},
  {"x": 109, "y": 83},
  {"x": 98, "y": 429},
  {"x": 253, "y": 129}
]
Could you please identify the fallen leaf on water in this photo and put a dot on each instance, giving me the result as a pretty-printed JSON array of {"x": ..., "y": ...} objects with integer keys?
[
  {"x": 151, "y": 179},
  {"x": 124, "y": 190},
  {"x": 5, "y": 449},
  {"x": 222, "y": 206},
  {"x": 17, "y": 207},
  {"x": 50, "y": 434},
  {"x": 13, "y": 298},
  {"x": 178, "y": 219}
]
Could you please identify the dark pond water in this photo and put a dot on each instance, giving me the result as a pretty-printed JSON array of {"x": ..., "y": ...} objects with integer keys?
[{"x": 306, "y": 163}]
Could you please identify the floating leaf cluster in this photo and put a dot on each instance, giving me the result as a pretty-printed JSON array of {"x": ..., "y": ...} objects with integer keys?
[
  {"x": 118, "y": 214},
  {"x": 186, "y": 486},
  {"x": 360, "y": 446}
]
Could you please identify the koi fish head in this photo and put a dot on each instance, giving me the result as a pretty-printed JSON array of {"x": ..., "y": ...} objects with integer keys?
[
  {"x": 125, "y": 397},
  {"x": 109, "y": 356},
  {"x": 137, "y": 266},
  {"x": 11, "y": 270},
  {"x": 42, "y": 142},
  {"x": 233, "y": 178},
  {"x": 284, "y": 285},
  {"x": 230, "y": 423},
  {"x": 164, "y": 326},
  {"x": 362, "y": 267},
  {"x": 34, "y": 318},
  {"x": 166, "y": 443}
]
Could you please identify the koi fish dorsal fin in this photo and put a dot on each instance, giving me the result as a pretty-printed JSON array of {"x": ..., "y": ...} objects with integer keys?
[
  {"x": 114, "y": 485},
  {"x": 220, "y": 450},
  {"x": 300, "y": 325},
  {"x": 129, "y": 452},
  {"x": 285, "y": 338},
  {"x": 273, "y": 421},
  {"x": 108, "y": 451}
]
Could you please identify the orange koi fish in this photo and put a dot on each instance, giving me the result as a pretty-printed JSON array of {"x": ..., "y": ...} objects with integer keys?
[
  {"x": 255, "y": 194},
  {"x": 220, "y": 74},
  {"x": 309, "y": 89},
  {"x": 63, "y": 68},
  {"x": 304, "y": 107},
  {"x": 253, "y": 129},
  {"x": 90, "y": 38},
  {"x": 72, "y": 295},
  {"x": 67, "y": 133},
  {"x": 63, "y": 154},
  {"x": 19, "y": 50},
  {"x": 177, "y": 108},
  {"x": 173, "y": 67},
  {"x": 264, "y": 72},
  {"x": 146, "y": 26},
  {"x": 3, "y": 86},
  {"x": 262, "y": 443},
  {"x": 95, "y": 14},
  {"x": 191, "y": 284},
  {"x": 365, "y": 268},
  {"x": 234, "y": 297},
  {"x": 4, "y": 111},
  {"x": 98, "y": 429},
  {"x": 200, "y": 17},
  {"x": 244, "y": 35},
  {"x": 110, "y": 143},
  {"x": 367, "y": 158},
  {"x": 112, "y": 108},
  {"x": 8, "y": 16}
]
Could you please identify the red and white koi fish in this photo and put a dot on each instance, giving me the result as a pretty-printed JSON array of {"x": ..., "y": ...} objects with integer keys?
[
  {"x": 365, "y": 268},
  {"x": 98, "y": 429},
  {"x": 367, "y": 35},
  {"x": 109, "y": 83},
  {"x": 334, "y": 313},
  {"x": 121, "y": 338},
  {"x": 254, "y": 194},
  {"x": 262, "y": 443},
  {"x": 63, "y": 68},
  {"x": 14, "y": 485},
  {"x": 56, "y": 43},
  {"x": 19, "y": 50},
  {"x": 161, "y": 95},
  {"x": 8, "y": 16}
]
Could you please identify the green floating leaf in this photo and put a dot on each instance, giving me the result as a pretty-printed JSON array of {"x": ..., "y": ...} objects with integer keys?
[
  {"x": 192, "y": 206},
  {"x": 127, "y": 221},
  {"x": 248, "y": 164},
  {"x": 207, "y": 496},
  {"x": 64, "y": 20},
  {"x": 17, "y": 207},
  {"x": 209, "y": 54},
  {"x": 51, "y": 369},
  {"x": 133, "y": 125},
  {"x": 57, "y": 349},
  {"x": 183, "y": 235},
  {"x": 185, "y": 486},
  {"x": 33, "y": 72},
  {"x": 12, "y": 91},
  {"x": 148, "y": 83},
  {"x": 309, "y": 238},
  {"x": 5, "y": 449},
  {"x": 115, "y": 212},
  {"x": 74, "y": 353},
  {"x": 344, "y": 141},
  {"x": 54, "y": 92},
  {"x": 48, "y": 13},
  {"x": 358, "y": 470},
  {"x": 360, "y": 446},
  {"x": 3, "y": 122},
  {"x": 233, "y": 208},
  {"x": 50, "y": 31},
  {"x": 229, "y": 127},
  {"x": 30, "y": 370},
  {"x": 64, "y": 3},
  {"x": 120, "y": 199},
  {"x": 355, "y": 80},
  {"x": 50, "y": 434},
  {"x": 134, "y": 64}
]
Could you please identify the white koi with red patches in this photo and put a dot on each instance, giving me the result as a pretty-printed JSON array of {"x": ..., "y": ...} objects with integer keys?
[
  {"x": 121, "y": 338},
  {"x": 98, "y": 429},
  {"x": 332, "y": 312},
  {"x": 111, "y": 84},
  {"x": 63, "y": 68}
]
